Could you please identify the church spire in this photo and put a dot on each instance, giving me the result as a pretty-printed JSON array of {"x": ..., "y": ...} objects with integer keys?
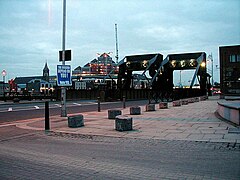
[{"x": 46, "y": 72}]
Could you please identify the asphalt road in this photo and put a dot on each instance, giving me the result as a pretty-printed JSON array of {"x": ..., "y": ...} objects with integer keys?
[
  {"x": 36, "y": 155},
  {"x": 23, "y": 111}
]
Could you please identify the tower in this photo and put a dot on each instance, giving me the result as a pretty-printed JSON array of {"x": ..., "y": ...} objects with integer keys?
[{"x": 46, "y": 73}]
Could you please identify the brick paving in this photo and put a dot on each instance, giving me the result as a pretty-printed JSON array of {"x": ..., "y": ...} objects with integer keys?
[{"x": 193, "y": 122}]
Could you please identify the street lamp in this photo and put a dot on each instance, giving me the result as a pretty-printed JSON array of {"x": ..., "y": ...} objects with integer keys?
[
  {"x": 4, "y": 73},
  {"x": 210, "y": 58}
]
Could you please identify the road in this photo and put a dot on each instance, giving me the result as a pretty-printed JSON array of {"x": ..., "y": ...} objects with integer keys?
[
  {"x": 29, "y": 154},
  {"x": 36, "y": 155},
  {"x": 13, "y": 112}
]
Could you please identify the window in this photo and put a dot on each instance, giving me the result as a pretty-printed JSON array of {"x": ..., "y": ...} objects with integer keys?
[
  {"x": 238, "y": 58},
  {"x": 228, "y": 73},
  {"x": 232, "y": 58}
]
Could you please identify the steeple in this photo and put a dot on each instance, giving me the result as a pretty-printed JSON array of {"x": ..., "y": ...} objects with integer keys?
[{"x": 46, "y": 72}]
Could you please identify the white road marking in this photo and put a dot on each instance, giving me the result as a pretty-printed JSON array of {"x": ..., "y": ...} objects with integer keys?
[
  {"x": 77, "y": 104},
  {"x": 36, "y": 107},
  {"x": 59, "y": 105}
]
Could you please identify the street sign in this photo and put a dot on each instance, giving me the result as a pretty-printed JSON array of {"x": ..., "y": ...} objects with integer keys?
[
  {"x": 64, "y": 75},
  {"x": 68, "y": 55}
]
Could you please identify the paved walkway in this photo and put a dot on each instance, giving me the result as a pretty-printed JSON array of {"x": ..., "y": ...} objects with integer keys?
[{"x": 193, "y": 122}]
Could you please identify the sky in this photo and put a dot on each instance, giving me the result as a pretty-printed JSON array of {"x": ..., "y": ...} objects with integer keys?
[{"x": 31, "y": 30}]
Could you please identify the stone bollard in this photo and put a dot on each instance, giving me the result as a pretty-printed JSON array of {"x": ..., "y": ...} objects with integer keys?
[
  {"x": 176, "y": 103},
  {"x": 163, "y": 105},
  {"x": 75, "y": 121},
  {"x": 150, "y": 107},
  {"x": 203, "y": 98},
  {"x": 191, "y": 100},
  {"x": 184, "y": 102},
  {"x": 112, "y": 113},
  {"x": 123, "y": 123},
  {"x": 196, "y": 99},
  {"x": 136, "y": 110}
]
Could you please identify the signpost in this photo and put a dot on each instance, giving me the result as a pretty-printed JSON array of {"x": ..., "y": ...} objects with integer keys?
[{"x": 63, "y": 89}]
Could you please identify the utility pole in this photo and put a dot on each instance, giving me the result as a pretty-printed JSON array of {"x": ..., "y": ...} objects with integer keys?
[
  {"x": 63, "y": 89},
  {"x": 116, "y": 43}
]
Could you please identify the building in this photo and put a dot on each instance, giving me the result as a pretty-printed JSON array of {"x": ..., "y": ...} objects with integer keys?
[
  {"x": 37, "y": 84},
  {"x": 230, "y": 70},
  {"x": 4, "y": 87},
  {"x": 94, "y": 74},
  {"x": 101, "y": 66}
]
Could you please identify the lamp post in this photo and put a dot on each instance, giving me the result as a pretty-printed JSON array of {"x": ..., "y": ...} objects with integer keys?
[
  {"x": 180, "y": 82},
  {"x": 210, "y": 58},
  {"x": 4, "y": 73}
]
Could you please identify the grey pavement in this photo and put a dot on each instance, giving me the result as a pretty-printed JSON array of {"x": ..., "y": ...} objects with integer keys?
[{"x": 193, "y": 122}]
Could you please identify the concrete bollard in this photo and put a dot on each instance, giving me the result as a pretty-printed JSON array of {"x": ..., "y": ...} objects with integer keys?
[
  {"x": 136, "y": 110},
  {"x": 177, "y": 103},
  {"x": 163, "y": 105},
  {"x": 123, "y": 123},
  {"x": 99, "y": 106},
  {"x": 112, "y": 113},
  {"x": 191, "y": 100},
  {"x": 124, "y": 102},
  {"x": 75, "y": 121},
  {"x": 203, "y": 98},
  {"x": 184, "y": 102},
  {"x": 196, "y": 99},
  {"x": 150, "y": 107},
  {"x": 47, "y": 122}
]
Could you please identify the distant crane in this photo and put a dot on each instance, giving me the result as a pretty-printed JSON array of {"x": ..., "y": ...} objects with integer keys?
[{"x": 116, "y": 44}]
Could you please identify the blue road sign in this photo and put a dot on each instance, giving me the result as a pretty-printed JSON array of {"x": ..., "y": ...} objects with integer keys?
[{"x": 64, "y": 75}]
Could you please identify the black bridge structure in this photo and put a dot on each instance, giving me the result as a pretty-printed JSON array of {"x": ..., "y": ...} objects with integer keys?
[{"x": 160, "y": 71}]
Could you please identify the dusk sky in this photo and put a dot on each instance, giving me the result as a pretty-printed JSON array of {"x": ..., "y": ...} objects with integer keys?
[{"x": 31, "y": 30}]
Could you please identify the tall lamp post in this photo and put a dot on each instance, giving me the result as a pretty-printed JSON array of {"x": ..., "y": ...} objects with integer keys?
[
  {"x": 210, "y": 58},
  {"x": 4, "y": 73}
]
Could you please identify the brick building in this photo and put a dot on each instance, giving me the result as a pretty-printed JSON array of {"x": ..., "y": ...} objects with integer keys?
[{"x": 230, "y": 70}]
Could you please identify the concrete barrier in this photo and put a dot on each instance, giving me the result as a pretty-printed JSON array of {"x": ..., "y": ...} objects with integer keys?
[
  {"x": 163, "y": 105},
  {"x": 136, "y": 110},
  {"x": 113, "y": 113},
  {"x": 75, "y": 121},
  {"x": 150, "y": 107},
  {"x": 229, "y": 111},
  {"x": 123, "y": 123},
  {"x": 176, "y": 103}
]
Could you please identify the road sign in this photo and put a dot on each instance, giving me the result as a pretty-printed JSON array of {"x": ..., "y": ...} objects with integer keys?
[
  {"x": 64, "y": 75},
  {"x": 68, "y": 55}
]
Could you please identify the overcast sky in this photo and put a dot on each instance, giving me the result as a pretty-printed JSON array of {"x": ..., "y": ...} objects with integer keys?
[{"x": 31, "y": 30}]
